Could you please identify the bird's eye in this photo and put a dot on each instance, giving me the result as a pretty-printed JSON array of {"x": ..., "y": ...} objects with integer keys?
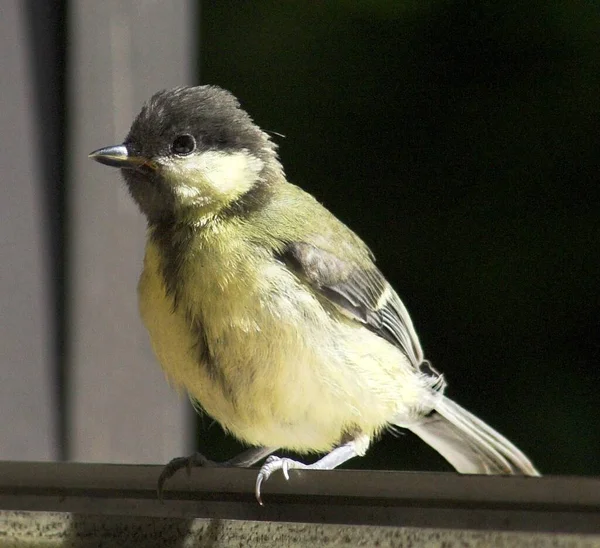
[{"x": 183, "y": 145}]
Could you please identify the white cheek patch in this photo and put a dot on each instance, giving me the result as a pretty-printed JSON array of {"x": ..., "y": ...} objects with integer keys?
[
  {"x": 218, "y": 175},
  {"x": 230, "y": 173}
]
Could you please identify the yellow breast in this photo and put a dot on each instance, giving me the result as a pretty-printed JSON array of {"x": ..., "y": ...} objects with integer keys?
[{"x": 262, "y": 377}]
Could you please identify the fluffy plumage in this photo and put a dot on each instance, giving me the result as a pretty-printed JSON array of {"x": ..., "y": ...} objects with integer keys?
[{"x": 266, "y": 308}]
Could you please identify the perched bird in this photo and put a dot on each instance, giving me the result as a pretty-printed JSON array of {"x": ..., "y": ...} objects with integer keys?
[{"x": 267, "y": 309}]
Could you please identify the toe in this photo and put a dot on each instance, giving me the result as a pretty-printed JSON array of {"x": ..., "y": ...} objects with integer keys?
[
  {"x": 272, "y": 464},
  {"x": 176, "y": 464}
]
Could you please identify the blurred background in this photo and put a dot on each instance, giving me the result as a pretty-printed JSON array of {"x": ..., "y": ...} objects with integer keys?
[{"x": 458, "y": 138}]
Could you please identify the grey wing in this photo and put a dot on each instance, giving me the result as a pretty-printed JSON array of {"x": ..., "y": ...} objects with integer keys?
[{"x": 363, "y": 293}]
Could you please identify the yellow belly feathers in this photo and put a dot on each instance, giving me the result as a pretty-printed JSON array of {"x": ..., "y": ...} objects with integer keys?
[{"x": 277, "y": 386}]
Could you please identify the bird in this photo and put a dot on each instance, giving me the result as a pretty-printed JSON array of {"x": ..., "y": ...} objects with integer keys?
[{"x": 268, "y": 310}]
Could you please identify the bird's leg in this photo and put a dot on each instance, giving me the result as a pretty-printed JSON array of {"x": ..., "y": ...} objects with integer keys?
[
  {"x": 243, "y": 460},
  {"x": 351, "y": 449}
]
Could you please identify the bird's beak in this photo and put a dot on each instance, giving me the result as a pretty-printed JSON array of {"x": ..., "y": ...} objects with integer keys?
[{"x": 118, "y": 156}]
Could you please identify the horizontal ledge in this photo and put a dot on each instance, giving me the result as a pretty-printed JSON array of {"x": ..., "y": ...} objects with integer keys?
[{"x": 385, "y": 498}]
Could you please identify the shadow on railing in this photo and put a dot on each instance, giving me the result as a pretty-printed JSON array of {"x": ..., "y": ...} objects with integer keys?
[{"x": 86, "y": 501}]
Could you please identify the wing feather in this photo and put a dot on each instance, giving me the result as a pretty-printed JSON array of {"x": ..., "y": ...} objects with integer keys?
[{"x": 361, "y": 292}]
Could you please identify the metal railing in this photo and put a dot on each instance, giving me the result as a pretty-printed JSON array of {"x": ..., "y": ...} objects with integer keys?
[{"x": 568, "y": 505}]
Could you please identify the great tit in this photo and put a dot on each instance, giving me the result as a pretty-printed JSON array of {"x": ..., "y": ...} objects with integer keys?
[{"x": 267, "y": 309}]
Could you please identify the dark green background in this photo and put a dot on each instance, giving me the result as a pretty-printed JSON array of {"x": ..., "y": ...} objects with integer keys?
[{"x": 460, "y": 140}]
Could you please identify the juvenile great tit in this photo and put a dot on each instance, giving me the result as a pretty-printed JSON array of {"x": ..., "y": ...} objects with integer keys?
[{"x": 267, "y": 309}]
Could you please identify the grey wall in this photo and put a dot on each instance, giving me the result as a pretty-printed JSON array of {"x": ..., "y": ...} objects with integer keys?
[
  {"x": 77, "y": 376},
  {"x": 28, "y": 407}
]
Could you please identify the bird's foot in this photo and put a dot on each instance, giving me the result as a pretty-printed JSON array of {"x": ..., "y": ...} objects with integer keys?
[
  {"x": 171, "y": 468},
  {"x": 272, "y": 464},
  {"x": 333, "y": 459}
]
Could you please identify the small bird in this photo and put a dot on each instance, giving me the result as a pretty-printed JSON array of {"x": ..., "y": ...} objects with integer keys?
[{"x": 268, "y": 310}]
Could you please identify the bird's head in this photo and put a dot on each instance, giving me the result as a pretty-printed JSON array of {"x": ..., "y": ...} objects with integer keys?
[{"x": 192, "y": 153}]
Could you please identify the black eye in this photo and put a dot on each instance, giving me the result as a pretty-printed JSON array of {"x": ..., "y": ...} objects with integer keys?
[{"x": 184, "y": 144}]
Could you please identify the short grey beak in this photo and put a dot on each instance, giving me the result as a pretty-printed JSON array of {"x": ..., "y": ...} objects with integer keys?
[
  {"x": 115, "y": 156},
  {"x": 118, "y": 156}
]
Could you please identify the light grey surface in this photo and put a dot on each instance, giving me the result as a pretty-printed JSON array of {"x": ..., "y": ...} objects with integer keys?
[
  {"x": 27, "y": 405},
  {"x": 67, "y": 530},
  {"x": 122, "y": 409}
]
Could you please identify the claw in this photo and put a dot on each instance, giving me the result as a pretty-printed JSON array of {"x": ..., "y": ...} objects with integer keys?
[
  {"x": 285, "y": 467},
  {"x": 172, "y": 467},
  {"x": 259, "y": 480},
  {"x": 272, "y": 464},
  {"x": 167, "y": 472}
]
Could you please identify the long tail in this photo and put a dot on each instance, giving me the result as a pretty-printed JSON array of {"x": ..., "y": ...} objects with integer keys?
[{"x": 468, "y": 444}]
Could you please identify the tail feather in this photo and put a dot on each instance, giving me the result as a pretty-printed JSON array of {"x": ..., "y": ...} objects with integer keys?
[{"x": 469, "y": 444}]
